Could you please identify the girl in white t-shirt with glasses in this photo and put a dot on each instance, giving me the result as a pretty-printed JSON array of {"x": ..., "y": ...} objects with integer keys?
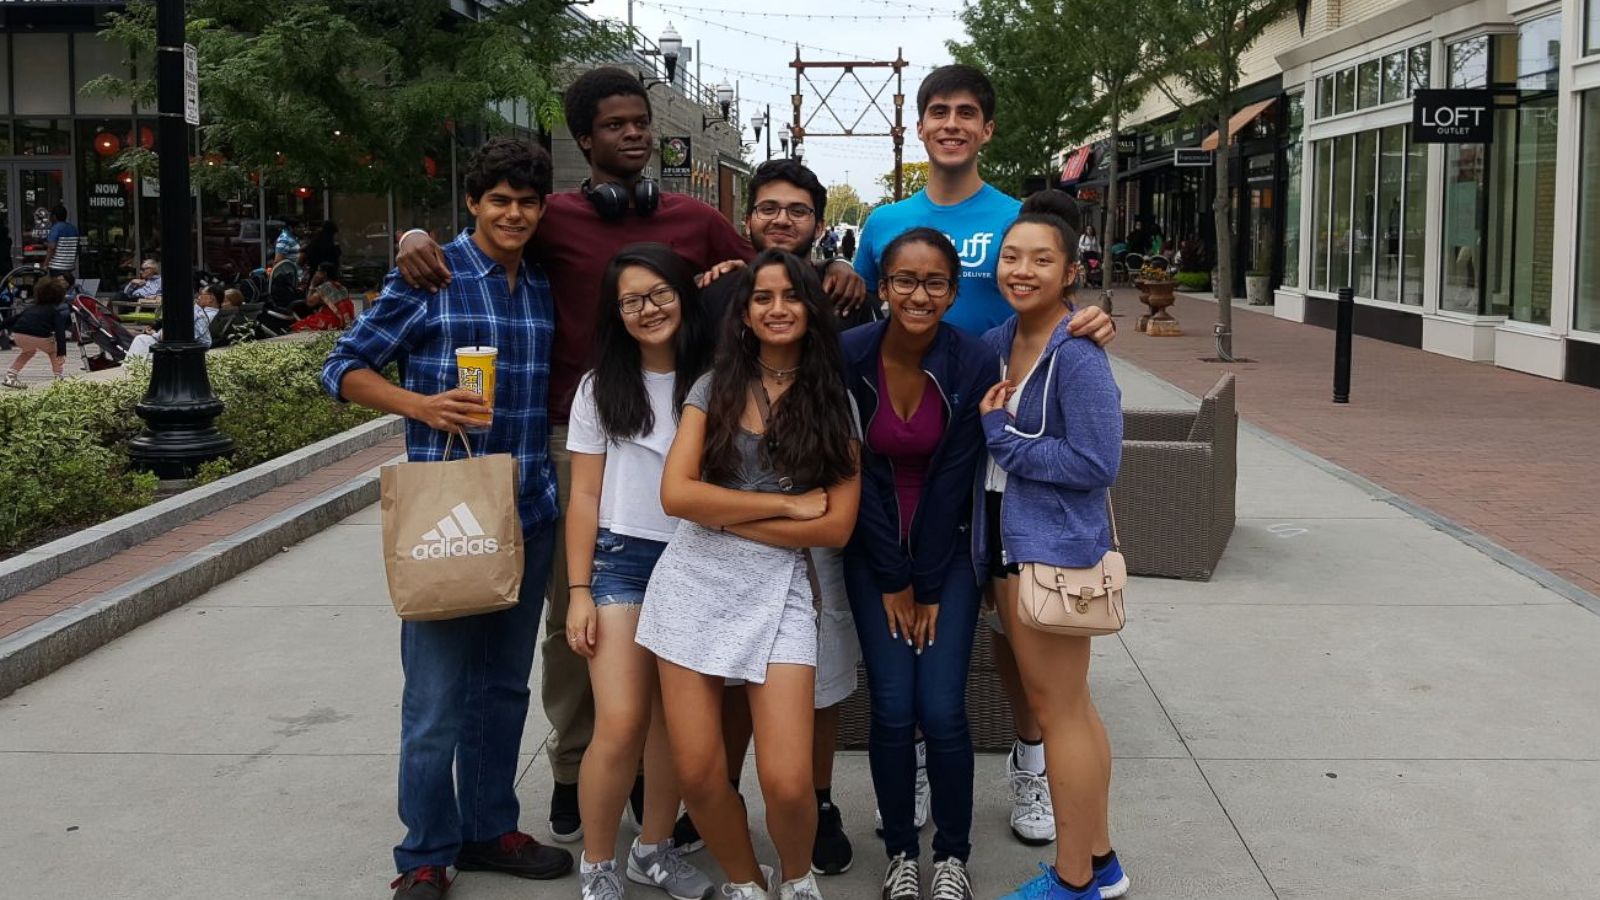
[{"x": 653, "y": 344}]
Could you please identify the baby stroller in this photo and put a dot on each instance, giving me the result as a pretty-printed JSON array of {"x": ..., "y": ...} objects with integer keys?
[
  {"x": 94, "y": 324},
  {"x": 1093, "y": 271},
  {"x": 16, "y": 289},
  {"x": 283, "y": 290}
]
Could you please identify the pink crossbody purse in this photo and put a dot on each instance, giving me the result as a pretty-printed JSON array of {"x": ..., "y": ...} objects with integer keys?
[{"x": 1083, "y": 602}]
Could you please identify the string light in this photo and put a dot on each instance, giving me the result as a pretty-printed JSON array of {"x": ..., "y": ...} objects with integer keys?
[
  {"x": 832, "y": 17},
  {"x": 767, "y": 37}
]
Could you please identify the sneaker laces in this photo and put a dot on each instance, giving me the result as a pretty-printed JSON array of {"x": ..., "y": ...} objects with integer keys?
[
  {"x": 605, "y": 884},
  {"x": 672, "y": 860},
  {"x": 902, "y": 879},
  {"x": 421, "y": 875},
  {"x": 950, "y": 880},
  {"x": 741, "y": 891},
  {"x": 804, "y": 889},
  {"x": 1032, "y": 792}
]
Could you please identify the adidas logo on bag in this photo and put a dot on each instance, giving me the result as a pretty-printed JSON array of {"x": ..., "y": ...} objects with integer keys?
[{"x": 457, "y": 534}]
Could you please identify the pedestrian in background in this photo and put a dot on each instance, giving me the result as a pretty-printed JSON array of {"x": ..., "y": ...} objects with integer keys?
[
  {"x": 41, "y": 328},
  {"x": 62, "y": 243}
]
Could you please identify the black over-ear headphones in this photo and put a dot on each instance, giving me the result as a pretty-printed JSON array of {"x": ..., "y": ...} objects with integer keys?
[{"x": 611, "y": 200}]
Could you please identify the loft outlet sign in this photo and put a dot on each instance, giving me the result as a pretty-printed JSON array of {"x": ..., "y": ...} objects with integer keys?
[{"x": 1452, "y": 117}]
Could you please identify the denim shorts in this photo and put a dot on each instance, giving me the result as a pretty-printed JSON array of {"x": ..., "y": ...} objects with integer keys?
[{"x": 622, "y": 567}]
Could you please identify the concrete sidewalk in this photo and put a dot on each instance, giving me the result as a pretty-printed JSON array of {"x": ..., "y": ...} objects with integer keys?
[{"x": 1358, "y": 705}]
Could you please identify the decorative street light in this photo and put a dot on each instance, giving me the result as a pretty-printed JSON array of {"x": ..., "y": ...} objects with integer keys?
[
  {"x": 759, "y": 121},
  {"x": 179, "y": 409},
  {"x": 724, "y": 98},
  {"x": 671, "y": 44}
]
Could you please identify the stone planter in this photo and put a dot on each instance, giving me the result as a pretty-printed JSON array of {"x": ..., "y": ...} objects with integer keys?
[
  {"x": 1158, "y": 296},
  {"x": 1258, "y": 289}
]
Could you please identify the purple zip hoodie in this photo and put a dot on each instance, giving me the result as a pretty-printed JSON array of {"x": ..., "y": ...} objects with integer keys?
[{"x": 1060, "y": 454}]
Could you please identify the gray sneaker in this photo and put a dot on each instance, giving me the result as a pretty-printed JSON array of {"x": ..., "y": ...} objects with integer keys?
[
  {"x": 603, "y": 883},
  {"x": 950, "y": 881},
  {"x": 668, "y": 870}
]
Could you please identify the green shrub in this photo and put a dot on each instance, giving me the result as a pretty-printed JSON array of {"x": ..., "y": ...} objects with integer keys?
[
  {"x": 1194, "y": 281},
  {"x": 63, "y": 448}
]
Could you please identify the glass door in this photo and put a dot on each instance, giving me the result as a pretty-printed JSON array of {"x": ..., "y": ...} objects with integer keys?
[{"x": 33, "y": 190}]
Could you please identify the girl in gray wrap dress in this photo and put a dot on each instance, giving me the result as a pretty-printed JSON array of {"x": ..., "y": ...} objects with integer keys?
[{"x": 763, "y": 466}]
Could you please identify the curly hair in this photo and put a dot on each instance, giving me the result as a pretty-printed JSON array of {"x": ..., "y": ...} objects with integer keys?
[
  {"x": 619, "y": 392},
  {"x": 519, "y": 163},
  {"x": 581, "y": 101},
  {"x": 809, "y": 435},
  {"x": 49, "y": 292}
]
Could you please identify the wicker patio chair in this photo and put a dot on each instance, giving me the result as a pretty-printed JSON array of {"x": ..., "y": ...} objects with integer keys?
[{"x": 1175, "y": 493}]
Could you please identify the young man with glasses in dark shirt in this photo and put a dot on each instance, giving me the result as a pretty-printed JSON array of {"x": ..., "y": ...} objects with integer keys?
[{"x": 609, "y": 115}]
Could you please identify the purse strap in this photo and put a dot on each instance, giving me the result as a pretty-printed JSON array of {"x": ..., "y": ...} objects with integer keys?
[
  {"x": 450, "y": 441},
  {"x": 758, "y": 392},
  {"x": 1111, "y": 513}
]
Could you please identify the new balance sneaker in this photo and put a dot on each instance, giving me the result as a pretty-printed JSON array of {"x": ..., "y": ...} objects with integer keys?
[
  {"x": 800, "y": 889},
  {"x": 1110, "y": 878},
  {"x": 600, "y": 882},
  {"x": 566, "y": 824},
  {"x": 515, "y": 853},
  {"x": 685, "y": 836},
  {"x": 1033, "y": 818},
  {"x": 831, "y": 853},
  {"x": 665, "y": 868},
  {"x": 1047, "y": 887},
  {"x": 750, "y": 890},
  {"x": 902, "y": 880},
  {"x": 950, "y": 881},
  {"x": 422, "y": 883}
]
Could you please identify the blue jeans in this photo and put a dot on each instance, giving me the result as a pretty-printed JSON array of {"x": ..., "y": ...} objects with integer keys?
[
  {"x": 622, "y": 567},
  {"x": 464, "y": 707},
  {"x": 927, "y": 691}
]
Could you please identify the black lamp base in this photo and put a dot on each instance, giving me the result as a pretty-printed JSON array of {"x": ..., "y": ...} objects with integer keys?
[{"x": 180, "y": 414}]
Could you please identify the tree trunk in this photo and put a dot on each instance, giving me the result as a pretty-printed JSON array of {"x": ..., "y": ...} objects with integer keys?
[{"x": 1223, "y": 289}]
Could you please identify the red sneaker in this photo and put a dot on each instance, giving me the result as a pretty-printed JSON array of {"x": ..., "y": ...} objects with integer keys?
[
  {"x": 422, "y": 883},
  {"x": 515, "y": 853}
]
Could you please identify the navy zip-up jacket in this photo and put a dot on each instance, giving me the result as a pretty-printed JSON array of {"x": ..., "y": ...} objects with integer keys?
[{"x": 962, "y": 369}]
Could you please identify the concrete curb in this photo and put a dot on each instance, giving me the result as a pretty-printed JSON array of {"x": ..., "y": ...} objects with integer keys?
[
  {"x": 45, "y": 563},
  {"x": 1519, "y": 564},
  {"x": 46, "y": 646}
]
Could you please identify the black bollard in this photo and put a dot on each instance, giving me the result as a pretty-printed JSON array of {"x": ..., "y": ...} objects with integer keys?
[{"x": 1341, "y": 345}]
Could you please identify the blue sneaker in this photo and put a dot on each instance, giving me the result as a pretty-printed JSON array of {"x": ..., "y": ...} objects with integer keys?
[
  {"x": 1110, "y": 878},
  {"x": 1047, "y": 887}
]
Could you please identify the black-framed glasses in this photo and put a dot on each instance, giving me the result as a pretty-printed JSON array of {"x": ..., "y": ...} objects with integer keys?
[
  {"x": 937, "y": 286},
  {"x": 797, "y": 211},
  {"x": 661, "y": 297}
]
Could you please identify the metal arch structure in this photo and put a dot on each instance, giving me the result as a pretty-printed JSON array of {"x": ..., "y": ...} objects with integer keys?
[{"x": 847, "y": 69}]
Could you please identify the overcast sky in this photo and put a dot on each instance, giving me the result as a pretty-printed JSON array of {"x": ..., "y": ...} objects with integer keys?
[{"x": 753, "y": 49}]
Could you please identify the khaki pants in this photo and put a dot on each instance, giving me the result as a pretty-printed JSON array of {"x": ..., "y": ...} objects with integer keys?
[{"x": 568, "y": 701}]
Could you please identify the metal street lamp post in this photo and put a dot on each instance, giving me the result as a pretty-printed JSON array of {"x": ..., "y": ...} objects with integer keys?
[{"x": 179, "y": 409}]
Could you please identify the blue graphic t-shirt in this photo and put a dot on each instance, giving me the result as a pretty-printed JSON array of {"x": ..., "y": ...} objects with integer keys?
[{"x": 975, "y": 226}]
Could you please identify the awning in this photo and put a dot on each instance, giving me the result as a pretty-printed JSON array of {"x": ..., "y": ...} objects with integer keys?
[
  {"x": 1077, "y": 165},
  {"x": 1238, "y": 121}
]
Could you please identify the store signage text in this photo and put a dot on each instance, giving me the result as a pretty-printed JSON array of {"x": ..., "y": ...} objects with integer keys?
[
  {"x": 1453, "y": 117},
  {"x": 677, "y": 157},
  {"x": 1191, "y": 156},
  {"x": 108, "y": 195}
]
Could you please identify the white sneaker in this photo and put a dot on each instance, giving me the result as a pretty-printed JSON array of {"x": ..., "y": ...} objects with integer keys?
[
  {"x": 749, "y": 890},
  {"x": 919, "y": 816},
  {"x": 1033, "y": 817},
  {"x": 800, "y": 889}
]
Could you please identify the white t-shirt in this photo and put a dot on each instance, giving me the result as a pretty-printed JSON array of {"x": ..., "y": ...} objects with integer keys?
[
  {"x": 994, "y": 479},
  {"x": 630, "y": 495}
]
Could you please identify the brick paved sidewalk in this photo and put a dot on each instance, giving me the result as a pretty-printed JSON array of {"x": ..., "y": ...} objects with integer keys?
[
  {"x": 90, "y": 582},
  {"x": 1508, "y": 455}
]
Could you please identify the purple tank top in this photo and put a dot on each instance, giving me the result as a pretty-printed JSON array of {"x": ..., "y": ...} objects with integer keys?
[{"x": 908, "y": 444}]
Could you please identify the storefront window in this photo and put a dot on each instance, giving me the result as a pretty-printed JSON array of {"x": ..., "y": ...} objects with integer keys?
[
  {"x": 94, "y": 56},
  {"x": 1535, "y": 212},
  {"x": 1344, "y": 91},
  {"x": 1325, "y": 95},
  {"x": 1591, "y": 43},
  {"x": 1463, "y": 226},
  {"x": 1586, "y": 302},
  {"x": 1539, "y": 54},
  {"x": 105, "y": 204},
  {"x": 1391, "y": 181},
  {"x": 1365, "y": 197},
  {"x": 5, "y": 77},
  {"x": 1394, "y": 77},
  {"x": 231, "y": 232},
  {"x": 1343, "y": 163},
  {"x": 1321, "y": 214},
  {"x": 1291, "y": 195},
  {"x": 1415, "y": 225},
  {"x": 1468, "y": 63},
  {"x": 43, "y": 137},
  {"x": 1418, "y": 68},
  {"x": 1367, "y": 84},
  {"x": 365, "y": 237}
]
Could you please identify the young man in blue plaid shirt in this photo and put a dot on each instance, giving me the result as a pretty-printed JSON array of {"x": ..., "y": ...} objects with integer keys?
[{"x": 466, "y": 679}]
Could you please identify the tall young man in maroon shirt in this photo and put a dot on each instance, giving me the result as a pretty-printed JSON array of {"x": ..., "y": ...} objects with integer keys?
[{"x": 608, "y": 113}]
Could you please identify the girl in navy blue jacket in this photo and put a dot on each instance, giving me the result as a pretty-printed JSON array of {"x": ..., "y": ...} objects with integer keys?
[
  {"x": 1054, "y": 430},
  {"x": 909, "y": 570}
]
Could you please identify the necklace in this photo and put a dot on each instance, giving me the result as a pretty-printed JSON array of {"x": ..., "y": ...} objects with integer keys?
[{"x": 781, "y": 376}]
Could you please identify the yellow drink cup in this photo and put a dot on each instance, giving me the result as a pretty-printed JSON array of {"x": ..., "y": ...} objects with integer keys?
[{"x": 475, "y": 372}]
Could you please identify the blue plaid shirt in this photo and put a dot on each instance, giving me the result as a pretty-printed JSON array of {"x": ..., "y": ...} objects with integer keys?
[{"x": 422, "y": 331}]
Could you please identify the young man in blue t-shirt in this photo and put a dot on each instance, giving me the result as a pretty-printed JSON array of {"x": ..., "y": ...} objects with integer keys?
[{"x": 955, "y": 119}]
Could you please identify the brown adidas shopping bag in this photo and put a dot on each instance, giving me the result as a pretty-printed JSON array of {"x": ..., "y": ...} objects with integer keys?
[{"x": 452, "y": 543}]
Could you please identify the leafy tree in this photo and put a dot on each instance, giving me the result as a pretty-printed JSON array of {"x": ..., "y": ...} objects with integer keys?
[
  {"x": 355, "y": 92},
  {"x": 1200, "y": 45},
  {"x": 914, "y": 175},
  {"x": 846, "y": 205},
  {"x": 1042, "y": 87}
]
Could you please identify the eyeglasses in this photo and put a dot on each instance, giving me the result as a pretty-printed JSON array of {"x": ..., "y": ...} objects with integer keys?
[
  {"x": 937, "y": 286},
  {"x": 796, "y": 211},
  {"x": 661, "y": 297}
]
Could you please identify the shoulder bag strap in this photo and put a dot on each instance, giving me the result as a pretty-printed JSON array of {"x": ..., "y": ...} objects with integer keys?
[
  {"x": 758, "y": 391},
  {"x": 1111, "y": 513}
]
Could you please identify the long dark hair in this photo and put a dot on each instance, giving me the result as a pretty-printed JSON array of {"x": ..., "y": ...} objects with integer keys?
[
  {"x": 619, "y": 391},
  {"x": 808, "y": 437}
]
